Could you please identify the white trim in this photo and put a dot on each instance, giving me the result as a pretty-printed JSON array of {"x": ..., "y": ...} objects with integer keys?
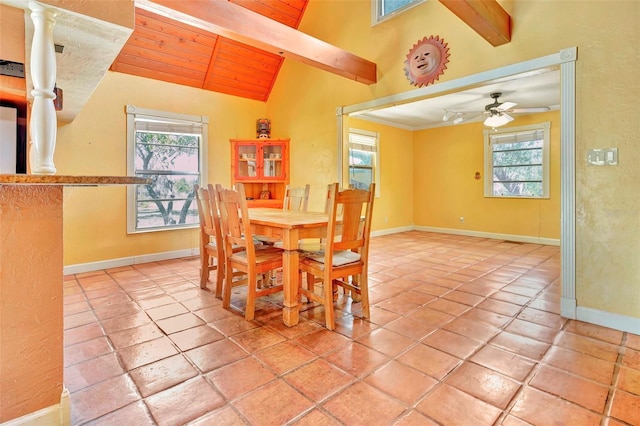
[
  {"x": 58, "y": 414},
  {"x": 390, "y": 231},
  {"x": 131, "y": 260},
  {"x": 506, "y": 237},
  {"x": 609, "y": 319},
  {"x": 377, "y": 18}
]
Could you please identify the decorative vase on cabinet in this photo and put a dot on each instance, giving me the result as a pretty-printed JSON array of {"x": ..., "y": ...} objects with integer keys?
[{"x": 262, "y": 165}]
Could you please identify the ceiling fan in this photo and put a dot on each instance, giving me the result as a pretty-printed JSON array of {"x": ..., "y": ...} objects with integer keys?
[{"x": 496, "y": 112}]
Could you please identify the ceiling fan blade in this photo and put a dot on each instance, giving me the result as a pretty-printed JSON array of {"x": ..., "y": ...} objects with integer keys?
[
  {"x": 505, "y": 106},
  {"x": 529, "y": 110},
  {"x": 510, "y": 118}
]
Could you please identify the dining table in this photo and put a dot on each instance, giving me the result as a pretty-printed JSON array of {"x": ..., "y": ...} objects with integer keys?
[{"x": 289, "y": 226}]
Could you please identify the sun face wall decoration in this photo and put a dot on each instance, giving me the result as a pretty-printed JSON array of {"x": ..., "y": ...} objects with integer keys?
[{"x": 426, "y": 61}]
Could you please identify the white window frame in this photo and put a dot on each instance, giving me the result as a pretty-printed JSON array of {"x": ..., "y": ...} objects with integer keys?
[
  {"x": 377, "y": 10},
  {"x": 544, "y": 128},
  {"x": 368, "y": 141},
  {"x": 161, "y": 120}
]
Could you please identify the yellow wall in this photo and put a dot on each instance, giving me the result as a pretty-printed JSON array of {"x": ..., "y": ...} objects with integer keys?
[
  {"x": 446, "y": 160},
  {"x": 95, "y": 144},
  {"x": 303, "y": 105}
]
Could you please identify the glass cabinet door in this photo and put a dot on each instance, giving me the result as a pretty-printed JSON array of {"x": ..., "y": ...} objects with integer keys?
[
  {"x": 247, "y": 160},
  {"x": 273, "y": 160}
]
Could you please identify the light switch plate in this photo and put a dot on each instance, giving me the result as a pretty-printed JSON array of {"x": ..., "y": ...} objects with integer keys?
[{"x": 602, "y": 156}]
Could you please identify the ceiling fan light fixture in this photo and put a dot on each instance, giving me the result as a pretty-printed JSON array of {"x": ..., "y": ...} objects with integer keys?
[
  {"x": 446, "y": 116},
  {"x": 459, "y": 119},
  {"x": 497, "y": 120}
]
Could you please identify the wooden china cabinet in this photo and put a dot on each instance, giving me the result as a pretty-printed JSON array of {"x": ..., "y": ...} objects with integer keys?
[{"x": 262, "y": 166}]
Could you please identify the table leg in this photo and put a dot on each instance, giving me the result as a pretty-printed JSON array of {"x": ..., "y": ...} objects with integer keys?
[{"x": 290, "y": 280}]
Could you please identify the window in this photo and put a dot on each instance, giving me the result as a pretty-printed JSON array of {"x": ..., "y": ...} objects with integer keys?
[
  {"x": 364, "y": 159},
  {"x": 385, "y": 9},
  {"x": 517, "y": 162},
  {"x": 170, "y": 150}
]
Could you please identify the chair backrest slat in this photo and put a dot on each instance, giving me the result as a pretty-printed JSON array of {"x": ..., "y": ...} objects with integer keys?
[
  {"x": 296, "y": 198},
  {"x": 234, "y": 215}
]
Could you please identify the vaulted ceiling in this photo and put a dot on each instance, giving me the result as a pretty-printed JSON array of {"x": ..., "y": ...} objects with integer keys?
[{"x": 173, "y": 51}]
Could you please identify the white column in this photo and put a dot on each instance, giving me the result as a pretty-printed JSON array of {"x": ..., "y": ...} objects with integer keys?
[{"x": 43, "y": 125}]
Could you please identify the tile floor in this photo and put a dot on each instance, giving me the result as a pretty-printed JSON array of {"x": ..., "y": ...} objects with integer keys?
[{"x": 463, "y": 331}]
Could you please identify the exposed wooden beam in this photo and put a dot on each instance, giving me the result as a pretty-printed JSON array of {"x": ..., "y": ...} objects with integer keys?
[
  {"x": 486, "y": 17},
  {"x": 240, "y": 24}
]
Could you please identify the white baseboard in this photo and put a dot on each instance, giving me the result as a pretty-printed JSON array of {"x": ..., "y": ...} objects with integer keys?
[
  {"x": 609, "y": 319},
  {"x": 506, "y": 237},
  {"x": 391, "y": 231},
  {"x": 59, "y": 414},
  {"x": 126, "y": 261}
]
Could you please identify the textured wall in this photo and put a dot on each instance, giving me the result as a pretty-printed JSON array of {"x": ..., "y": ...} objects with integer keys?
[{"x": 31, "y": 331}]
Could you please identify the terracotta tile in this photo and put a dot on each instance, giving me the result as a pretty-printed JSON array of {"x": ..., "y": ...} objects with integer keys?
[
  {"x": 500, "y": 307},
  {"x": 215, "y": 355},
  {"x": 201, "y": 301},
  {"x": 257, "y": 339},
  {"x": 79, "y": 319},
  {"x": 452, "y": 343},
  {"x": 133, "y": 336},
  {"x": 226, "y": 416},
  {"x": 77, "y": 307},
  {"x": 86, "y": 350},
  {"x": 239, "y": 378},
  {"x": 133, "y": 414},
  {"x": 194, "y": 337},
  {"x": 228, "y": 325},
  {"x": 431, "y": 316},
  {"x": 412, "y": 328},
  {"x": 633, "y": 341},
  {"x": 273, "y": 404},
  {"x": 102, "y": 398},
  {"x": 432, "y": 289},
  {"x": 414, "y": 418},
  {"x": 163, "y": 374},
  {"x": 356, "y": 359},
  {"x": 463, "y": 297},
  {"x": 537, "y": 316},
  {"x": 125, "y": 322},
  {"x": 82, "y": 333},
  {"x": 373, "y": 406},
  {"x": 429, "y": 360},
  {"x": 473, "y": 329},
  {"x": 402, "y": 382},
  {"x": 166, "y": 311},
  {"x": 588, "y": 346},
  {"x": 318, "y": 380},
  {"x": 386, "y": 341},
  {"x": 539, "y": 408},
  {"x": 179, "y": 323},
  {"x": 520, "y": 345},
  {"x": 631, "y": 358},
  {"x": 514, "y": 421},
  {"x": 486, "y": 317},
  {"x": 184, "y": 402},
  {"x": 448, "y": 306},
  {"x": 595, "y": 331},
  {"x": 317, "y": 418},
  {"x": 504, "y": 362},
  {"x": 532, "y": 330},
  {"x": 580, "y": 364},
  {"x": 381, "y": 317},
  {"x": 323, "y": 341},
  {"x": 112, "y": 300},
  {"x": 483, "y": 383},
  {"x": 285, "y": 356},
  {"x": 572, "y": 388},
  {"x": 629, "y": 380},
  {"x": 626, "y": 407},
  {"x": 95, "y": 370},
  {"x": 450, "y": 406},
  {"x": 146, "y": 353}
]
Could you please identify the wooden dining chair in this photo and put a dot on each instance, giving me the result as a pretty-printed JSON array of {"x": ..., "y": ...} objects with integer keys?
[
  {"x": 296, "y": 198},
  {"x": 236, "y": 229},
  {"x": 211, "y": 245},
  {"x": 343, "y": 262}
]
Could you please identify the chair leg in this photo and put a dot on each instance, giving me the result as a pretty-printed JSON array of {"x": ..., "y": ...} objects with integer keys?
[
  {"x": 226, "y": 298},
  {"x": 220, "y": 274},
  {"x": 329, "y": 315},
  {"x": 204, "y": 270},
  {"x": 364, "y": 294},
  {"x": 250, "y": 308}
]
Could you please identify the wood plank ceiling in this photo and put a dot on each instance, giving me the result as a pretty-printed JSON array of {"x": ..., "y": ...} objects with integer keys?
[{"x": 175, "y": 52}]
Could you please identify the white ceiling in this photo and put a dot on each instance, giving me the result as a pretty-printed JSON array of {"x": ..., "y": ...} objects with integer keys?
[{"x": 529, "y": 90}]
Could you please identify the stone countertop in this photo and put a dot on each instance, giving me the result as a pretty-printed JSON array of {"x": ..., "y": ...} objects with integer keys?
[{"x": 20, "y": 179}]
